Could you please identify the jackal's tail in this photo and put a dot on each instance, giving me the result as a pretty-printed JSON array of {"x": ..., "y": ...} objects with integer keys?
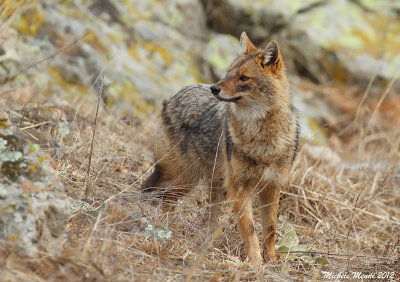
[{"x": 151, "y": 183}]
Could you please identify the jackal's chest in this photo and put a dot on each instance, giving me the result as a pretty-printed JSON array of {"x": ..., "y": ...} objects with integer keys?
[
  {"x": 259, "y": 163},
  {"x": 252, "y": 175},
  {"x": 272, "y": 174},
  {"x": 258, "y": 141},
  {"x": 258, "y": 151}
]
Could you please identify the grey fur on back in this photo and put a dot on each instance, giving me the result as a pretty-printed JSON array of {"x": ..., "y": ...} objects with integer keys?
[{"x": 194, "y": 119}]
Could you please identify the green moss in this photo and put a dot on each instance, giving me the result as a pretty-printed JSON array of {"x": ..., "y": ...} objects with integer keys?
[
  {"x": 34, "y": 148},
  {"x": 10, "y": 208},
  {"x": 6, "y": 155}
]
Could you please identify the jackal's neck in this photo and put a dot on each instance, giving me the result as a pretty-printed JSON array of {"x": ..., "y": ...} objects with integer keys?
[
  {"x": 258, "y": 115},
  {"x": 261, "y": 125},
  {"x": 259, "y": 112}
]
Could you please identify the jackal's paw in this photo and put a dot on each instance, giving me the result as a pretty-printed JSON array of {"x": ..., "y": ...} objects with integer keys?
[
  {"x": 269, "y": 256},
  {"x": 256, "y": 261}
]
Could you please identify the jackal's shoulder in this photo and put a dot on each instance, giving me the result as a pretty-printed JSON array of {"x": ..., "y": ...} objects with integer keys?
[
  {"x": 193, "y": 120},
  {"x": 192, "y": 102},
  {"x": 196, "y": 93}
]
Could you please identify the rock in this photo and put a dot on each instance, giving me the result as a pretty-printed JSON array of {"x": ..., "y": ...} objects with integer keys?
[
  {"x": 185, "y": 16},
  {"x": 364, "y": 44},
  {"x": 322, "y": 154},
  {"x": 34, "y": 209},
  {"x": 314, "y": 114},
  {"x": 147, "y": 50},
  {"x": 220, "y": 52},
  {"x": 3, "y": 118}
]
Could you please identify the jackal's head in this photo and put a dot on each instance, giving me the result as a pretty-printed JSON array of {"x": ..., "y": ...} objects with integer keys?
[{"x": 257, "y": 78}]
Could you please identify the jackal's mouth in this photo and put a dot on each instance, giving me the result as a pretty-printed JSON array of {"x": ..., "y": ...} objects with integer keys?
[{"x": 221, "y": 97}]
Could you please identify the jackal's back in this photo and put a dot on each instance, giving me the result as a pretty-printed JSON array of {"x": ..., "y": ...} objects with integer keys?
[{"x": 192, "y": 120}]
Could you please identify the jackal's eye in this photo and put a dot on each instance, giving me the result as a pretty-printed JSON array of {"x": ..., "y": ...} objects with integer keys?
[{"x": 244, "y": 78}]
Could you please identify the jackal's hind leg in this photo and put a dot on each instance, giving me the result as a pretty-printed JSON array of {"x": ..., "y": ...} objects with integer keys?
[
  {"x": 167, "y": 186},
  {"x": 217, "y": 198}
]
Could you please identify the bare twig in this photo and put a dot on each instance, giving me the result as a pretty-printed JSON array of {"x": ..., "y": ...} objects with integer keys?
[
  {"x": 101, "y": 87},
  {"x": 34, "y": 125}
]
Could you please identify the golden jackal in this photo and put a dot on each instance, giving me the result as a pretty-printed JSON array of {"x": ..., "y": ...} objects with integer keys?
[{"x": 240, "y": 134}]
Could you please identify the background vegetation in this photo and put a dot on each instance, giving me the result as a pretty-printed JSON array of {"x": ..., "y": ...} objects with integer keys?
[{"x": 341, "y": 210}]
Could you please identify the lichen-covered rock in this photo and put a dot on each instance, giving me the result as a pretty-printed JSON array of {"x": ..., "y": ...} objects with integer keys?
[
  {"x": 34, "y": 209},
  {"x": 220, "y": 52},
  {"x": 314, "y": 114},
  {"x": 348, "y": 41},
  {"x": 147, "y": 50}
]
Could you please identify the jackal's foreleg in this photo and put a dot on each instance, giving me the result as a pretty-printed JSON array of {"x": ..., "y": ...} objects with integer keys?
[
  {"x": 242, "y": 208},
  {"x": 269, "y": 201}
]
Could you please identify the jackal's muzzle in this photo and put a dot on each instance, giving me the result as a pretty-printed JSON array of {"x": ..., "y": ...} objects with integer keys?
[{"x": 216, "y": 90}]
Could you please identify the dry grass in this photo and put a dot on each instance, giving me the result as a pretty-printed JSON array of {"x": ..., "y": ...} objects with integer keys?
[{"x": 348, "y": 208}]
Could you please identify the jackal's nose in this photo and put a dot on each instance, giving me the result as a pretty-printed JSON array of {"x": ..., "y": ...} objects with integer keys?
[{"x": 215, "y": 89}]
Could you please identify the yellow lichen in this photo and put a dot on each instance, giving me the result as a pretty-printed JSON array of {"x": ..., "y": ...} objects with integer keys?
[
  {"x": 126, "y": 91},
  {"x": 33, "y": 167},
  {"x": 130, "y": 10},
  {"x": 9, "y": 7},
  {"x": 69, "y": 87},
  {"x": 95, "y": 42},
  {"x": 31, "y": 20},
  {"x": 151, "y": 47},
  {"x": 337, "y": 69},
  {"x": 3, "y": 123},
  {"x": 320, "y": 136},
  {"x": 133, "y": 52}
]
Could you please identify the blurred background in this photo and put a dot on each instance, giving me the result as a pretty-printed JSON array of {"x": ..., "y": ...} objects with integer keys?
[
  {"x": 343, "y": 61},
  {"x": 148, "y": 50}
]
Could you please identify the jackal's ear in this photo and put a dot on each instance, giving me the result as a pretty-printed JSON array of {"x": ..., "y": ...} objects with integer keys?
[
  {"x": 246, "y": 46},
  {"x": 272, "y": 56}
]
